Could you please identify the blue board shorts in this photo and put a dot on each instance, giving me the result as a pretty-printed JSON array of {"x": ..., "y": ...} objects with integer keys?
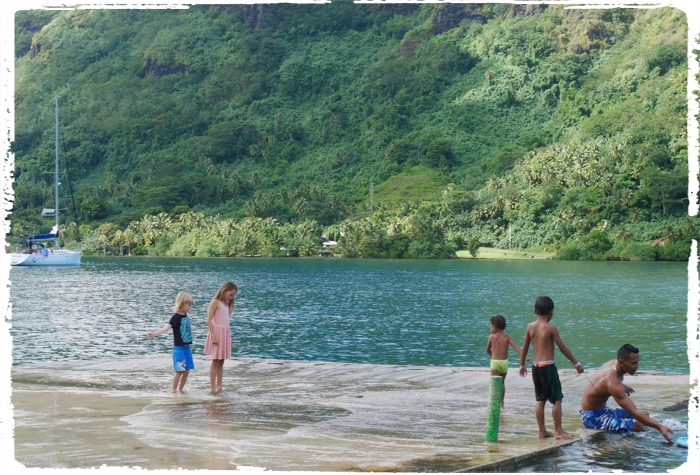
[
  {"x": 607, "y": 419},
  {"x": 182, "y": 358}
]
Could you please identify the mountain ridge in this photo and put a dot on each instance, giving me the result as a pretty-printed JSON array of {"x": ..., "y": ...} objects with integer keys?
[{"x": 289, "y": 112}]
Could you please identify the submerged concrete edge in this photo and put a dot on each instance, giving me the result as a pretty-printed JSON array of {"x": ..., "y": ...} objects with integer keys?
[{"x": 507, "y": 462}]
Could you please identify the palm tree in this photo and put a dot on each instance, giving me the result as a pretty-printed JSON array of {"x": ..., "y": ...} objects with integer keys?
[
  {"x": 118, "y": 239},
  {"x": 252, "y": 208},
  {"x": 626, "y": 197},
  {"x": 688, "y": 227},
  {"x": 129, "y": 236},
  {"x": 129, "y": 187},
  {"x": 208, "y": 165},
  {"x": 336, "y": 205},
  {"x": 284, "y": 195},
  {"x": 301, "y": 205},
  {"x": 621, "y": 234}
]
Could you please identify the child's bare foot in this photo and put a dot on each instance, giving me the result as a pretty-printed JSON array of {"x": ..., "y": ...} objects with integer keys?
[
  {"x": 560, "y": 434},
  {"x": 545, "y": 434}
]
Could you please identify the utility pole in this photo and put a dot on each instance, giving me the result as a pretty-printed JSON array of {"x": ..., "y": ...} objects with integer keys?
[
  {"x": 510, "y": 236},
  {"x": 371, "y": 197}
]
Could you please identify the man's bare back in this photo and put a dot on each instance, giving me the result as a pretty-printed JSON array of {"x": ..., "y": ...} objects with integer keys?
[{"x": 603, "y": 383}]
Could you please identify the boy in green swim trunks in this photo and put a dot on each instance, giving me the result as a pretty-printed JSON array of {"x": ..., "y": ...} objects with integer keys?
[{"x": 497, "y": 348}]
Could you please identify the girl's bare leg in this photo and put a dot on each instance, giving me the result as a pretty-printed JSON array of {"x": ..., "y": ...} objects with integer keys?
[
  {"x": 212, "y": 376},
  {"x": 215, "y": 374},
  {"x": 220, "y": 376}
]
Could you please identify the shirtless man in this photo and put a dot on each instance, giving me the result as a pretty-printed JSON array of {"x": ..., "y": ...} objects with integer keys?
[{"x": 608, "y": 382}]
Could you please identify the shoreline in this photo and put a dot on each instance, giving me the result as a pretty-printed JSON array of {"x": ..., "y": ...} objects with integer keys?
[{"x": 286, "y": 415}]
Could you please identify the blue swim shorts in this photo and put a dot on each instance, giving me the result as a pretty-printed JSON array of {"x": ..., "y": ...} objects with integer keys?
[
  {"x": 182, "y": 358},
  {"x": 607, "y": 419}
]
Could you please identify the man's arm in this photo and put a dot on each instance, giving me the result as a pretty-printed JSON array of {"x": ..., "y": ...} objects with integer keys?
[{"x": 620, "y": 393}]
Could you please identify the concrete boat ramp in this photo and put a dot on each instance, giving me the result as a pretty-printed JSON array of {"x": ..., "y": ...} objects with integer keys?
[{"x": 291, "y": 416}]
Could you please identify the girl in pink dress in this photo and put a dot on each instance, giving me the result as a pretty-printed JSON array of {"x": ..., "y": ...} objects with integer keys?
[{"x": 218, "y": 343}]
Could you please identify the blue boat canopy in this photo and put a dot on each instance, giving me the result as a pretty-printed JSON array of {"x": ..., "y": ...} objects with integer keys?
[{"x": 41, "y": 237}]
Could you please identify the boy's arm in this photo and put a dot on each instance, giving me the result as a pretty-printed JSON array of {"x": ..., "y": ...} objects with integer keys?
[
  {"x": 488, "y": 346},
  {"x": 565, "y": 351},
  {"x": 523, "y": 353},
  {"x": 517, "y": 348},
  {"x": 160, "y": 331}
]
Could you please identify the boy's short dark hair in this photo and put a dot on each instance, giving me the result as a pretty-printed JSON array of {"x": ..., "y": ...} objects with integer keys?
[
  {"x": 543, "y": 305},
  {"x": 499, "y": 321},
  {"x": 625, "y": 350}
]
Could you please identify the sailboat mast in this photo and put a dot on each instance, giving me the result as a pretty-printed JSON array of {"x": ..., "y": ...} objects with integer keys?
[{"x": 56, "y": 178}]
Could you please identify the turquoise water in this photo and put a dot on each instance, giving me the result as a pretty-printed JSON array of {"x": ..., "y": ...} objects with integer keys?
[
  {"x": 638, "y": 452},
  {"x": 402, "y": 312}
]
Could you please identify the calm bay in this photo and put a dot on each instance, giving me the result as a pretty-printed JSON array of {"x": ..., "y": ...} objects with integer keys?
[{"x": 399, "y": 312}]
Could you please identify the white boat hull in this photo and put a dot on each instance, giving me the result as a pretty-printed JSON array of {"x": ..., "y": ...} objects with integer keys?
[{"x": 59, "y": 257}]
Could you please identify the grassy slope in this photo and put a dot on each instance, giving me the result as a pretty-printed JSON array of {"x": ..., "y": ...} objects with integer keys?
[{"x": 493, "y": 253}]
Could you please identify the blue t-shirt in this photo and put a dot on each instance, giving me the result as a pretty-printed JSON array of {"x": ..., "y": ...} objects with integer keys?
[{"x": 182, "y": 331}]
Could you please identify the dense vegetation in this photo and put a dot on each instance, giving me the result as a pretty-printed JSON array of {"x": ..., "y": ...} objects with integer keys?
[{"x": 397, "y": 130}]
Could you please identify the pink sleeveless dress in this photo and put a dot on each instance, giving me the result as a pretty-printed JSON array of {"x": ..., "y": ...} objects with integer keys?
[{"x": 222, "y": 328}]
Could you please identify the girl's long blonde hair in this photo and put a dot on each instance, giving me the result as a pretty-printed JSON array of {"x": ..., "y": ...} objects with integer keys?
[{"x": 225, "y": 287}]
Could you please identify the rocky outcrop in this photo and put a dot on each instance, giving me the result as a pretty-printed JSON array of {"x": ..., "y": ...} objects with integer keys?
[
  {"x": 153, "y": 69},
  {"x": 260, "y": 16},
  {"x": 527, "y": 10},
  {"x": 36, "y": 49},
  {"x": 450, "y": 15}
]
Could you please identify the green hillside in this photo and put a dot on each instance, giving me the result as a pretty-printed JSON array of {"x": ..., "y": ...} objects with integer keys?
[{"x": 239, "y": 129}]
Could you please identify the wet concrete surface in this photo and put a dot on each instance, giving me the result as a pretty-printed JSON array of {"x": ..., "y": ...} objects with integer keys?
[{"x": 291, "y": 416}]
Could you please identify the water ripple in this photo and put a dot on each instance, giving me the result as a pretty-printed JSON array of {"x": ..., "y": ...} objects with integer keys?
[{"x": 385, "y": 312}]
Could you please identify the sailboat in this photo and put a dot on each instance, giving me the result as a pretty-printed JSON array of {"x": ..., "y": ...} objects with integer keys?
[{"x": 37, "y": 254}]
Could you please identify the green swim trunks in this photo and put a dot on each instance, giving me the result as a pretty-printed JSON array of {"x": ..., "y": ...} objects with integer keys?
[{"x": 500, "y": 365}]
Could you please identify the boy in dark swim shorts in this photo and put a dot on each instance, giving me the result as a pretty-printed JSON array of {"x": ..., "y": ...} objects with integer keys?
[
  {"x": 547, "y": 384},
  {"x": 544, "y": 336}
]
